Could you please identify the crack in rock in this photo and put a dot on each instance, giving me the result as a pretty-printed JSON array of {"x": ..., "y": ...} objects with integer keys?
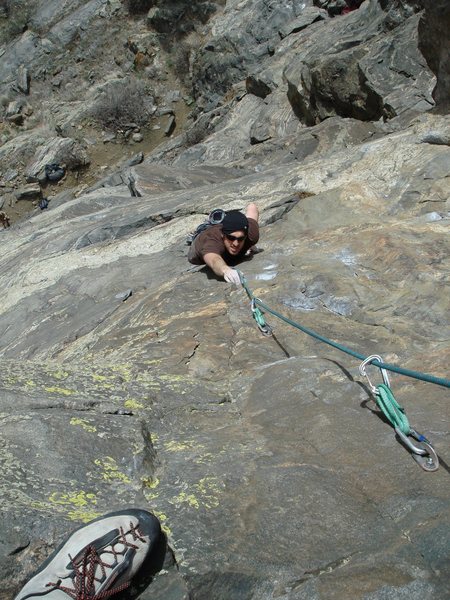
[{"x": 325, "y": 570}]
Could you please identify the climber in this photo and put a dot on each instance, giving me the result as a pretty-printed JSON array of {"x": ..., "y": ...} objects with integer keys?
[{"x": 221, "y": 246}]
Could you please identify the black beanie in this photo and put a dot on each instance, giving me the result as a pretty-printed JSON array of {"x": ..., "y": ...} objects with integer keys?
[{"x": 234, "y": 220}]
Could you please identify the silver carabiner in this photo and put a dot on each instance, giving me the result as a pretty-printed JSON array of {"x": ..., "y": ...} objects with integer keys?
[
  {"x": 265, "y": 329},
  {"x": 405, "y": 439},
  {"x": 362, "y": 371},
  {"x": 424, "y": 455}
]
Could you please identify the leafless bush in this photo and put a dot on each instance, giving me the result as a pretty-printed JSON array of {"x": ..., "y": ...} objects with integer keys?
[
  {"x": 182, "y": 54},
  {"x": 197, "y": 132},
  {"x": 180, "y": 60},
  {"x": 124, "y": 102}
]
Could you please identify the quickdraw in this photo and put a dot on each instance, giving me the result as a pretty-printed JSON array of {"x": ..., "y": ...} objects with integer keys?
[
  {"x": 264, "y": 327},
  {"x": 422, "y": 451},
  {"x": 257, "y": 313}
]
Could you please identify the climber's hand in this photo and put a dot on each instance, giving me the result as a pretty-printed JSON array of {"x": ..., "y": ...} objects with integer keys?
[{"x": 232, "y": 276}]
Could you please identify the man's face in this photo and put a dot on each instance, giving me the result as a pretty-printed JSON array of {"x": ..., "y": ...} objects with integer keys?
[{"x": 234, "y": 242}]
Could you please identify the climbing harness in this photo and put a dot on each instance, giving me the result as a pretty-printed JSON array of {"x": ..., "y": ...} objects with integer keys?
[{"x": 422, "y": 451}]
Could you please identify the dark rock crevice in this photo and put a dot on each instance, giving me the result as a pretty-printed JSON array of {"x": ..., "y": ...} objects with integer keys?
[
  {"x": 282, "y": 207},
  {"x": 322, "y": 570},
  {"x": 115, "y": 232},
  {"x": 186, "y": 359},
  {"x": 434, "y": 43}
]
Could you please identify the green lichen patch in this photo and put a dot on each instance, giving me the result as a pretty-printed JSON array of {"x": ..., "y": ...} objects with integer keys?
[
  {"x": 76, "y": 505},
  {"x": 84, "y": 424},
  {"x": 110, "y": 471},
  {"x": 133, "y": 404},
  {"x": 53, "y": 389}
]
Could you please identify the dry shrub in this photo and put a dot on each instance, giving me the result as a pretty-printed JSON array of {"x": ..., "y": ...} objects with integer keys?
[
  {"x": 198, "y": 131},
  {"x": 182, "y": 54},
  {"x": 180, "y": 60},
  {"x": 124, "y": 102}
]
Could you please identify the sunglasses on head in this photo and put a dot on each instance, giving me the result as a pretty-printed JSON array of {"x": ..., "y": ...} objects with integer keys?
[{"x": 235, "y": 238}]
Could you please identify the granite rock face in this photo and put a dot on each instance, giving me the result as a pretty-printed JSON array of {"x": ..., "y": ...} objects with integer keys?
[{"x": 131, "y": 378}]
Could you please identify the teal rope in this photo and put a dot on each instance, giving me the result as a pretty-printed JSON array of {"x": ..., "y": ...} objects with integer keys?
[
  {"x": 389, "y": 367},
  {"x": 392, "y": 409}
]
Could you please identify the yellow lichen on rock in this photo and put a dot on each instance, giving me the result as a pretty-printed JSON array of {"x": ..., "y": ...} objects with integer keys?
[
  {"x": 163, "y": 519},
  {"x": 149, "y": 488},
  {"x": 174, "y": 446},
  {"x": 189, "y": 499},
  {"x": 84, "y": 423},
  {"x": 208, "y": 488},
  {"x": 59, "y": 390},
  {"x": 130, "y": 403},
  {"x": 111, "y": 470},
  {"x": 80, "y": 503}
]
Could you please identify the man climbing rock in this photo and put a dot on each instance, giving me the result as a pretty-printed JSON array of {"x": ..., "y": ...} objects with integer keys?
[{"x": 221, "y": 246}]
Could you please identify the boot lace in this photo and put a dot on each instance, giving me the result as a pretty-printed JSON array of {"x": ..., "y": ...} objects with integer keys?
[{"x": 90, "y": 568}]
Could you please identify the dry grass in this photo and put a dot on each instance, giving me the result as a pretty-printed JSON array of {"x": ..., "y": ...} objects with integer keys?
[{"x": 124, "y": 103}]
